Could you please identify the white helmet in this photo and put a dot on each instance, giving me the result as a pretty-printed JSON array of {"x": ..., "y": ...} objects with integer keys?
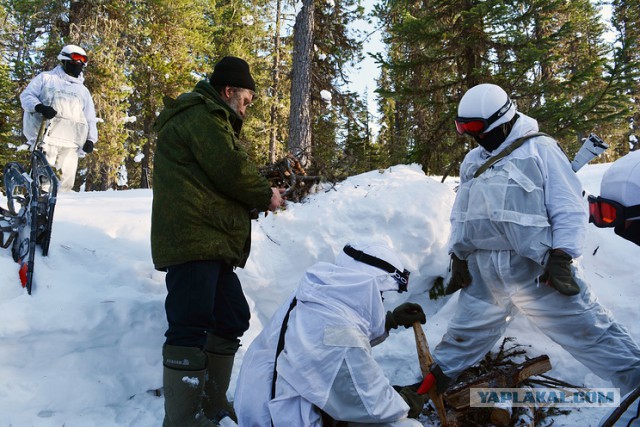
[
  {"x": 486, "y": 102},
  {"x": 71, "y": 52}
]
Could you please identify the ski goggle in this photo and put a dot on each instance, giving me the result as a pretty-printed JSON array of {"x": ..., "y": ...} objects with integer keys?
[
  {"x": 605, "y": 213},
  {"x": 77, "y": 57},
  {"x": 401, "y": 277},
  {"x": 475, "y": 126}
]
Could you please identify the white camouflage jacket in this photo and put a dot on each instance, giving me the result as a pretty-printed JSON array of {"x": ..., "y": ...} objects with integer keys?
[
  {"x": 528, "y": 202},
  {"x": 326, "y": 362},
  {"x": 75, "y": 122}
]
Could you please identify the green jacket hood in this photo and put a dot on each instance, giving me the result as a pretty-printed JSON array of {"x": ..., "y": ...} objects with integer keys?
[
  {"x": 203, "y": 93},
  {"x": 204, "y": 183}
]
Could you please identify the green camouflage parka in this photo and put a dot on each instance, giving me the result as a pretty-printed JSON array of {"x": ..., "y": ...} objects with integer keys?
[{"x": 204, "y": 184}]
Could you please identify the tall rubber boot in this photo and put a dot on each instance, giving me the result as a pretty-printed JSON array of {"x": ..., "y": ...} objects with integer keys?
[
  {"x": 183, "y": 381},
  {"x": 220, "y": 355}
]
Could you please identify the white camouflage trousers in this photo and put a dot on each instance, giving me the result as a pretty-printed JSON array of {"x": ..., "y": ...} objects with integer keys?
[
  {"x": 505, "y": 283},
  {"x": 66, "y": 160}
]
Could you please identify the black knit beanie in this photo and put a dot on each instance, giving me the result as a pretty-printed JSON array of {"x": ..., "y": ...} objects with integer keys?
[{"x": 232, "y": 71}]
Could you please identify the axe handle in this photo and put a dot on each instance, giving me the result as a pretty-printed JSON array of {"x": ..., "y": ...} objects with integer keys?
[
  {"x": 424, "y": 356},
  {"x": 40, "y": 137}
]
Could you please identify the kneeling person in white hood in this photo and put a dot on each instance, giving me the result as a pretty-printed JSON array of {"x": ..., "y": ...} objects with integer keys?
[{"x": 321, "y": 339}]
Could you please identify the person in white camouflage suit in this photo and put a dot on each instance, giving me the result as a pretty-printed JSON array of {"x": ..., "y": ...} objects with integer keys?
[{"x": 61, "y": 97}]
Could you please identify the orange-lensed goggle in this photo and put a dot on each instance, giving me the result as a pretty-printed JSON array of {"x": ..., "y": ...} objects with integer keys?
[
  {"x": 476, "y": 126},
  {"x": 77, "y": 57},
  {"x": 605, "y": 213}
]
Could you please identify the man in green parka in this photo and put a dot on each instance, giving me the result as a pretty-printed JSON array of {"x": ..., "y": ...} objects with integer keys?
[{"x": 204, "y": 188}]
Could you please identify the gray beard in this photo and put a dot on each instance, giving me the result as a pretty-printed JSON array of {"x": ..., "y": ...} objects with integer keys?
[{"x": 234, "y": 104}]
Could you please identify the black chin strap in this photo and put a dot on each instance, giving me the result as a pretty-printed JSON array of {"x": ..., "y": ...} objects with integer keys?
[{"x": 402, "y": 277}]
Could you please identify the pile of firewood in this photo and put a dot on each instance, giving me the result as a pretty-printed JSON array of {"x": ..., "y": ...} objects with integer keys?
[
  {"x": 500, "y": 370},
  {"x": 289, "y": 173}
]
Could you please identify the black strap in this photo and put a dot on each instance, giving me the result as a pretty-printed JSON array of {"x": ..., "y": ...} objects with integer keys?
[
  {"x": 516, "y": 144},
  {"x": 401, "y": 277},
  {"x": 631, "y": 211},
  {"x": 368, "y": 259},
  {"x": 280, "y": 347},
  {"x": 326, "y": 418},
  {"x": 621, "y": 409}
]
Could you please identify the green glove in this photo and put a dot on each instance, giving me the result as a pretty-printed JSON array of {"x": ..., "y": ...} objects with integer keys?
[
  {"x": 414, "y": 400},
  {"x": 558, "y": 273},
  {"x": 460, "y": 276},
  {"x": 405, "y": 315}
]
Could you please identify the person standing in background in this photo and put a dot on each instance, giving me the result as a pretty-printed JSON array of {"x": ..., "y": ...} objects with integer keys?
[{"x": 61, "y": 97}]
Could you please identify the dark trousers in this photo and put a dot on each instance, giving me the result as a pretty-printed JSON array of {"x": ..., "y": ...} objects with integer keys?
[{"x": 204, "y": 297}]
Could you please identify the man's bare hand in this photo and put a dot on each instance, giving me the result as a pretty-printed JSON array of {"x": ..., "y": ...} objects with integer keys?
[{"x": 276, "y": 198}]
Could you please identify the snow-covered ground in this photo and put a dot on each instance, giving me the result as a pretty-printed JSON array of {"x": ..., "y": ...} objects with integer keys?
[{"x": 84, "y": 349}]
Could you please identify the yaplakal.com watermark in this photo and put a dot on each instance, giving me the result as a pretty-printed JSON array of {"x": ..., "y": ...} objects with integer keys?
[{"x": 540, "y": 397}]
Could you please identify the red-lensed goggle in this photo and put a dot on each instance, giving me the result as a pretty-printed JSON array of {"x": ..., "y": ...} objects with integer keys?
[
  {"x": 605, "y": 213},
  {"x": 76, "y": 57},
  {"x": 475, "y": 126}
]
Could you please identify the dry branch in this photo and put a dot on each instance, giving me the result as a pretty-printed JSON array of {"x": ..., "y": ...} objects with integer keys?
[
  {"x": 509, "y": 367},
  {"x": 288, "y": 173},
  {"x": 503, "y": 376}
]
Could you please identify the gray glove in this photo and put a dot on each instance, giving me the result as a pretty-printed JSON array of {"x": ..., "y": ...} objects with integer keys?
[
  {"x": 460, "y": 276},
  {"x": 404, "y": 315},
  {"x": 558, "y": 273}
]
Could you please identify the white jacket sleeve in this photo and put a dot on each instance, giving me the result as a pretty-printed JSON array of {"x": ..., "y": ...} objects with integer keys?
[
  {"x": 563, "y": 196},
  {"x": 90, "y": 115},
  {"x": 466, "y": 173},
  {"x": 30, "y": 96},
  {"x": 362, "y": 393}
]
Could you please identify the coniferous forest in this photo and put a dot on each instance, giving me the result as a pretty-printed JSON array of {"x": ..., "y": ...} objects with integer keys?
[{"x": 572, "y": 65}]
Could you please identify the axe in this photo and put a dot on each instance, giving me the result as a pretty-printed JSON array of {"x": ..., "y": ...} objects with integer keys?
[
  {"x": 41, "y": 132},
  {"x": 425, "y": 359}
]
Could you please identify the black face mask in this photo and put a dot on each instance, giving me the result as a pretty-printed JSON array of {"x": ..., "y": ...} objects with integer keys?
[
  {"x": 630, "y": 232},
  {"x": 72, "y": 68},
  {"x": 494, "y": 138}
]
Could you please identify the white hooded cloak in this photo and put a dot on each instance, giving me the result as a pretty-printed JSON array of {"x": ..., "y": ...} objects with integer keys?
[{"x": 326, "y": 361}]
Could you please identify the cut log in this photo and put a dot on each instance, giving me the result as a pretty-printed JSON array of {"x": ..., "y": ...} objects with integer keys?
[{"x": 504, "y": 377}]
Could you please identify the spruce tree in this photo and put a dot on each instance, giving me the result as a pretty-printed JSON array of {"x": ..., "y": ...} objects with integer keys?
[
  {"x": 549, "y": 55},
  {"x": 25, "y": 52},
  {"x": 626, "y": 23},
  {"x": 169, "y": 45},
  {"x": 339, "y": 122},
  {"x": 240, "y": 28}
]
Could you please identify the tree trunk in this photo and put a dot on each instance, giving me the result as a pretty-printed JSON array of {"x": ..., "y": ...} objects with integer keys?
[
  {"x": 146, "y": 151},
  {"x": 273, "y": 137},
  {"x": 300, "y": 118}
]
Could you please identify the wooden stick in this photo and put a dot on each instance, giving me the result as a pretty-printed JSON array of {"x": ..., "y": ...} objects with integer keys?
[
  {"x": 425, "y": 359},
  {"x": 40, "y": 137}
]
